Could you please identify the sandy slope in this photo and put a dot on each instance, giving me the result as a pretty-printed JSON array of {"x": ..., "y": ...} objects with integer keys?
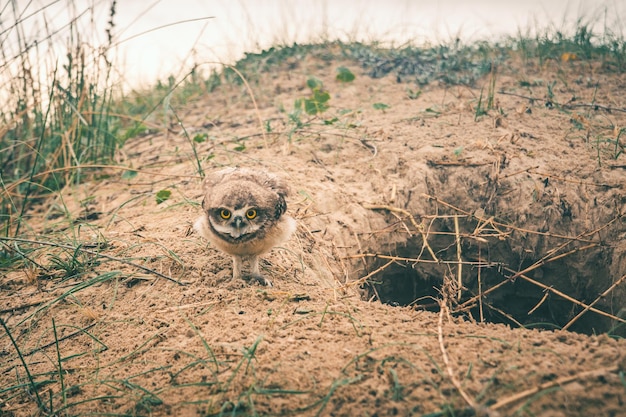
[{"x": 523, "y": 180}]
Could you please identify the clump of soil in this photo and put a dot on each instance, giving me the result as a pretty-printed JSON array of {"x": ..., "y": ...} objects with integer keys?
[{"x": 504, "y": 204}]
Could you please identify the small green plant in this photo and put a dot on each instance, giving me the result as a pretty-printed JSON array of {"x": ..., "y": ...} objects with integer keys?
[
  {"x": 413, "y": 95},
  {"x": 200, "y": 138},
  {"x": 72, "y": 264},
  {"x": 317, "y": 102},
  {"x": 129, "y": 174},
  {"x": 380, "y": 106},
  {"x": 313, "y": 105},
  {"x": 162, "y": 196},
  {"x": 240, "y": 146},
  {"x": 619, "y": 147},
  {"x": 481, "y": 110},
  {"x": 492, "y": 87},
  {"x": 345, "y": 75},
  {"x": 608, "y": 147},
  {"x": 550, "y": 94}
]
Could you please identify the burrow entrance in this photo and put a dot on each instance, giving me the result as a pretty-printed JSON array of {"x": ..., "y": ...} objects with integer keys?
[{"x": 508, "y": 274}]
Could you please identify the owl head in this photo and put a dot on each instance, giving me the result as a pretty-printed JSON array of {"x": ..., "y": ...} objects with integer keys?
[{"x": 243, "y": 204}]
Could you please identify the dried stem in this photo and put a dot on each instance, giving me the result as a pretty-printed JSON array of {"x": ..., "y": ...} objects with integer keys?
[
  {"x": 446, "y": 360},
  {"x": 256, "y": 107},
  {"x": 417, "y": 227},
  {"x": 572, "y": 299},
  {"x": 459, "y": 267},
  {"x": 567, "y": 105},
  {"x": 560, "y": 381},
  {"x": 536, "y": 265},
  {"x": 480, "y": 292},
  {"x": 364, "y": 279},
  {"x": 519, "y": 229},
  {"x": 424, "y": 261},
  {"x": 90, "y": 252},
  {"x": 604, "y": 294}
]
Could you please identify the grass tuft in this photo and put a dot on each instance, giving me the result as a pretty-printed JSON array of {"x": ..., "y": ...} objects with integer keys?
[{"x": 57, "y": 117}]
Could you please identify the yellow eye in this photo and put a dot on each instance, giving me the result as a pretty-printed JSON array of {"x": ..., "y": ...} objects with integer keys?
[
  {"x": 251, "y": 214},
  {"x": 225, "y": 214}
]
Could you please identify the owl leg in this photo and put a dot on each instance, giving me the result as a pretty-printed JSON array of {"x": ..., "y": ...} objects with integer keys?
[
  {"x": 255, "y": 273},
  {"x": 237, "y": 266}
]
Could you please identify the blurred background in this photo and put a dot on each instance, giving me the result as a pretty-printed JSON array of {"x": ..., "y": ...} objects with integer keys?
[{"x": 155, "y": 39}]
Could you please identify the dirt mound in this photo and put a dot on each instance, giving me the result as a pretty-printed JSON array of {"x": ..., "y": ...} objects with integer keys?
[{"x": 506, "y": 202}]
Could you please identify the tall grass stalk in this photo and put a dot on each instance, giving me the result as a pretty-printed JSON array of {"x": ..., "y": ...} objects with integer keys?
[
  {"x": 56, "y": 110},
  {"x": 59, "y": 363}
]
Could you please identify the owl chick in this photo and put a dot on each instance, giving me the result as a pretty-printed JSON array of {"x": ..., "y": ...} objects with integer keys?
[{"x": 244, "y": 215}]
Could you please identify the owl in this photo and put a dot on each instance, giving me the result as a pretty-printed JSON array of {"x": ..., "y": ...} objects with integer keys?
[{"x": 244, "y": 216}]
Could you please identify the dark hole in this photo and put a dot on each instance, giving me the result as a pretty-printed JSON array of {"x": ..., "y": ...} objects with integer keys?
[{"x": 515, "y": 302}]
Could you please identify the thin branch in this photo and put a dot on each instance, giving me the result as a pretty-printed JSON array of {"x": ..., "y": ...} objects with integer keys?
[
  {"x": 69, "y": 336},
  {"x": 604, "y": 294},
  {"x": 566, "y": 105},
  {"x": 364, "y": 279},
  {"x": 21, "y": 307},
  {"x": 459, "y": 259},
  {"x": 541, "y": 262},
  {"x": 251, "y": 94},
  {"x": 154, "y": 29},
  {"x": 519, "y": 229},
  {"x": 560, "y": 381},
  {"x": 480, "y": 291},
  {"x": 425, "y": 261},
  {"x": 573, "y": 181},
  {"x": 17, "y": 183},
  {"x": 569, "y": 298},
  {"x": 417, "y": 227},
  {"x": 446, "y": 360}
]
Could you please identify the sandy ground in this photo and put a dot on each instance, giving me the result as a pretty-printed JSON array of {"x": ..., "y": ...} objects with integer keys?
[{"x": 526, "y": 200}]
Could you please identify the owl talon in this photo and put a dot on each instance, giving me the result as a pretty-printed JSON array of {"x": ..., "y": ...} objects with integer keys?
[{"x": 261, "y": 280}]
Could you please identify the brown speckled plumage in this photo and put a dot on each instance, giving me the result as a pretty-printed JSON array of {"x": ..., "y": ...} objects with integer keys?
[{"x": 244, "y": 215}]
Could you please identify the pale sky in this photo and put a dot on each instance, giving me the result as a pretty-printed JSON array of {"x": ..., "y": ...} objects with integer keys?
[{"x": 251, "y": 25}]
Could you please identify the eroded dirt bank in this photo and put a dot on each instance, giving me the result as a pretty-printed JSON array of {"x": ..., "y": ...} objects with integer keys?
[{"x": 395, "y": 184}]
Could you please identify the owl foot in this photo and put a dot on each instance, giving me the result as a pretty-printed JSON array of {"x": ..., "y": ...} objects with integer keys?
[{"x": 260, "y": 279}]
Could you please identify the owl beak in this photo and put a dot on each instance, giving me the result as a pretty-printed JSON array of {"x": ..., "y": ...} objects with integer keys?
[{"x": 238, "y": 222}]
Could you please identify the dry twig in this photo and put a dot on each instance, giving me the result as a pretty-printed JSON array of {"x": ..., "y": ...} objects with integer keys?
[
  {"x": 417, "y": 227},
  {"x": 364, "y": 279},
  {"x": 560, "y": 381},
  {"x": 443, "y": 311},
  {"x": 566, "y": 105},
  {"x": 459, "y": 267},
  {"x": 446, "y": 360},
  {"x": 519, "y": 229},
  {"x": 604, "y": 294}
]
